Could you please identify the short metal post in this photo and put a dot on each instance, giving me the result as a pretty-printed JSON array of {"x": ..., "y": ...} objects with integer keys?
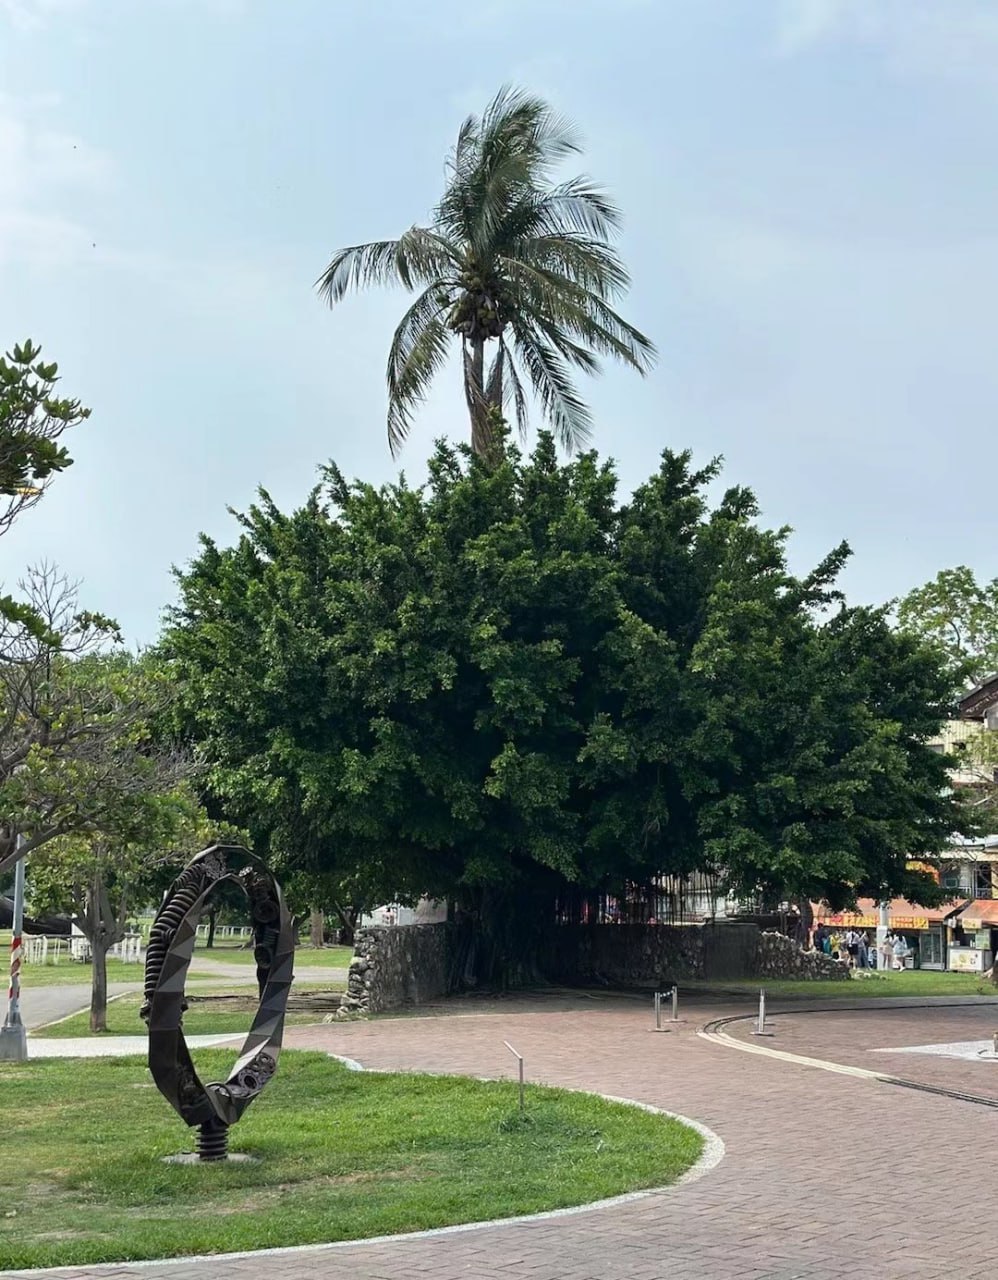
[
  {"x": 675, "y": 1004},
  {"x": 760, "y": 1027},
  {"x": 519, "y": 1059},
  {"x": 658, "y": 1013}
]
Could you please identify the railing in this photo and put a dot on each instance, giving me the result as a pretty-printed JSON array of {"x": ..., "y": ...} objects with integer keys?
[
  {"x": 226, "y": 931},
  {"x": 45, "y": 950}
]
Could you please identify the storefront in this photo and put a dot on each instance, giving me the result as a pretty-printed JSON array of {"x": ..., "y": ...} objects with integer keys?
[
  {"x": 973, "y": 936},
  {"x": 923, "y": 928}
]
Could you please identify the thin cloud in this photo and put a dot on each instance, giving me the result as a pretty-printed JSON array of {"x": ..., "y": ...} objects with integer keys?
[{"x": 934, "y": 38}]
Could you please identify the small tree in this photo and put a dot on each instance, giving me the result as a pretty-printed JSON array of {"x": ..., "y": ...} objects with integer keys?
[
  {"x": 105, "y": 876},
  {"x": 960, "y": 616},
  {"x": 32, "y": 420},
  {"x": 68, "y": 706}
]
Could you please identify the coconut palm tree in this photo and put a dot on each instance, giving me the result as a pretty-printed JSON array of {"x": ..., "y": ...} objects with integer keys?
[{"x": 518, "y": 267}]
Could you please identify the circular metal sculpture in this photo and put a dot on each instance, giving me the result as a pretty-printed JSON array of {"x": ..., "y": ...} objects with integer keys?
[{"x": 214, "y": 1107}]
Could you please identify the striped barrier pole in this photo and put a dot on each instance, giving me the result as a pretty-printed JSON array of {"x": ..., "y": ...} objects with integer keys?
[{"x": 13, "y": 1040}]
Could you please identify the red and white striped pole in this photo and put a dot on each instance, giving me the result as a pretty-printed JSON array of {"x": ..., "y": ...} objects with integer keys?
[{"x": 13, "y": 1039}]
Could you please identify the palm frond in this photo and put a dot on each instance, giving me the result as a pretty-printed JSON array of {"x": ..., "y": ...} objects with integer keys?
[
  {"x": 515, "y": 384},
  {"x": 575, "y": 257},
  {"x": 560, "y": 402},
  {"x": 579, "y": 205},
  {"x": 504, "y": 384},
  {"x": 507, "y": 151},
  {"x": 418, "y": 351},
  {"x": 419, "y": 256},
  {"x": 560, "y": 307}
]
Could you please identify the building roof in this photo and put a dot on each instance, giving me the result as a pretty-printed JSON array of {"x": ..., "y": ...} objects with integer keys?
[
  {"x": 978, "y": 914},
  {"x": 980, "y": 699}
]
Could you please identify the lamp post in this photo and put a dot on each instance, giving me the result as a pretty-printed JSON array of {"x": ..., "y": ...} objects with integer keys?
[{"x": 13, "y": 1038}]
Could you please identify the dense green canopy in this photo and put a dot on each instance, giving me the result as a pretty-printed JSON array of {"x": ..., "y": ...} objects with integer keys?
[{"x": 510, "y": 681}]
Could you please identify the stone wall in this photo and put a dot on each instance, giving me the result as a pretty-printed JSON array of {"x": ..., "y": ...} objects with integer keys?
[
  {"x": 400, "y": 965},
  {"x": 628, "y": 955},
  {"x": 395, "y": 966},
  {"x": 780, "y": 957},
  {"x": 640, "y": 955}
]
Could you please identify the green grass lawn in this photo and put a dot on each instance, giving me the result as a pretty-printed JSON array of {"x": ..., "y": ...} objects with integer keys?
[
  {"x": 909, "y": 982},
  {"x": 71, "y": 973},
  {"x": 342, "y": 1155},
  {"x": 305, "y": 957},
  {"x": 212, "y": 1016}
]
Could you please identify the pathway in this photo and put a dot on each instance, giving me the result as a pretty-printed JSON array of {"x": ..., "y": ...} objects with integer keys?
[
  {"x": 825, "y": 1175},
  {"x": 45, "y": 1004}
]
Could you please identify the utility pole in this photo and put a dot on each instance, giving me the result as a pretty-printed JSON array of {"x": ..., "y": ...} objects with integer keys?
[
  {"x": 883, "y": 928},
  {"x": 13, "y": 1038}
]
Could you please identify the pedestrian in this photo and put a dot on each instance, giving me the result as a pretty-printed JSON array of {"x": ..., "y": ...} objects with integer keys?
[
  {"x": 852, "y": 948},
  {"x": 863, "y": 950},
  {"x": 886, "y": 951},
  {"x": 900, "y": 951},
  {"x": 836, "y": 944}
]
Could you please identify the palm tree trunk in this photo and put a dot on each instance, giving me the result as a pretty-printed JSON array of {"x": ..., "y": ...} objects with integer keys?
[{"x": 474, "y": 392}]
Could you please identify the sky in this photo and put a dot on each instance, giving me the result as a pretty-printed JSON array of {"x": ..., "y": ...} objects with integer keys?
[{"x": 810, "y": 192}]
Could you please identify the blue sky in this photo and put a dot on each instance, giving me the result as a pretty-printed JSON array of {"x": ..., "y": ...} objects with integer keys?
[{"x": 811, "y": 222}]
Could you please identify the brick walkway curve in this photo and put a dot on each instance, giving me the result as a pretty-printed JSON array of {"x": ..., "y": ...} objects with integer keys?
[{"x": 825, "y": 1175}]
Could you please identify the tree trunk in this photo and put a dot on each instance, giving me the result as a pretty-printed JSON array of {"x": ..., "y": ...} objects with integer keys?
[
  {"x": 212, "y": 920},
  {"x": 316, "y": 923},
  {"x": 474, "y": 392},
  {"x": 501, "y": 936},
  {"x": 98, "y": 985}
]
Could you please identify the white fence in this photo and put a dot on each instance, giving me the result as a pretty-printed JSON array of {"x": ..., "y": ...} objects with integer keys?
[
  {"x": 76, "y": 949},
  {"x": 226, "y": 931}
]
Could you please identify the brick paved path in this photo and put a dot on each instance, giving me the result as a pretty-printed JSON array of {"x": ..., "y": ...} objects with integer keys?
[
  {"x": 862, "y": 1038},
  {"x": 825, "y": 1175}
]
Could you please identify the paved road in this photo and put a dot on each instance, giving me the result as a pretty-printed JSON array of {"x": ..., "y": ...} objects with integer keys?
[
  {"x": 41, "y": 1005},
  {"x": 825, "y": 1175}
]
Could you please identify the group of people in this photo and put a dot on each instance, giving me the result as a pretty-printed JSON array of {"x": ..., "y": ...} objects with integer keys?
[{"x": 854, "y": 949}]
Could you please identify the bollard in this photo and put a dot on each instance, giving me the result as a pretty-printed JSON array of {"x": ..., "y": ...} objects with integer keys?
[
  {"x": 760, "y": 1027},
  {"x": 675, "y": 1004},
  {"x": 658, "y": 1013},
  {"x": 519, "y": 1059}
]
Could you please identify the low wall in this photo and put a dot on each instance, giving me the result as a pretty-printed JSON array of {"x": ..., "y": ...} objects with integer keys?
[
  {"x": 780, "y": 957},
  {"x": 642, "y": 955},
  {"x": 628, "y": 955},
  {"x": 396, "y": 965}
]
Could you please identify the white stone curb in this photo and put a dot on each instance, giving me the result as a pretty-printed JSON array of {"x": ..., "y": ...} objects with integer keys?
[{"x": 710, "y": 1158}]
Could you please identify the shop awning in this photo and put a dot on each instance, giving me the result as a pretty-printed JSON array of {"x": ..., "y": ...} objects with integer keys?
[
  {"x": 980, "y": 914},
  {"x": 902, "y": 915}
]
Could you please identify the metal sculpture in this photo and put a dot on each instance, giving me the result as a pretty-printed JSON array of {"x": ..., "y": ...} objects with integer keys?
[{"x": 214, "y": 1107}]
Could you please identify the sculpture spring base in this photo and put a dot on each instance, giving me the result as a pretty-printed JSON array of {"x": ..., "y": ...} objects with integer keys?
[
  {"x": 213, "y": 1146},
  {"x": 192, "y": 1157},
  {"x": 213, "y": 1140}
]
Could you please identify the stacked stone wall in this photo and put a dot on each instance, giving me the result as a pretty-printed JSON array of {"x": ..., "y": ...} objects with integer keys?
[{"x": 396, "y": 966}]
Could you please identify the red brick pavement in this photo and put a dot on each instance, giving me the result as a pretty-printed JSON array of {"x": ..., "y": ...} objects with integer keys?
[
  {"x": 825, "y": 1175},
  {"x": 859, "y": 1037}
]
